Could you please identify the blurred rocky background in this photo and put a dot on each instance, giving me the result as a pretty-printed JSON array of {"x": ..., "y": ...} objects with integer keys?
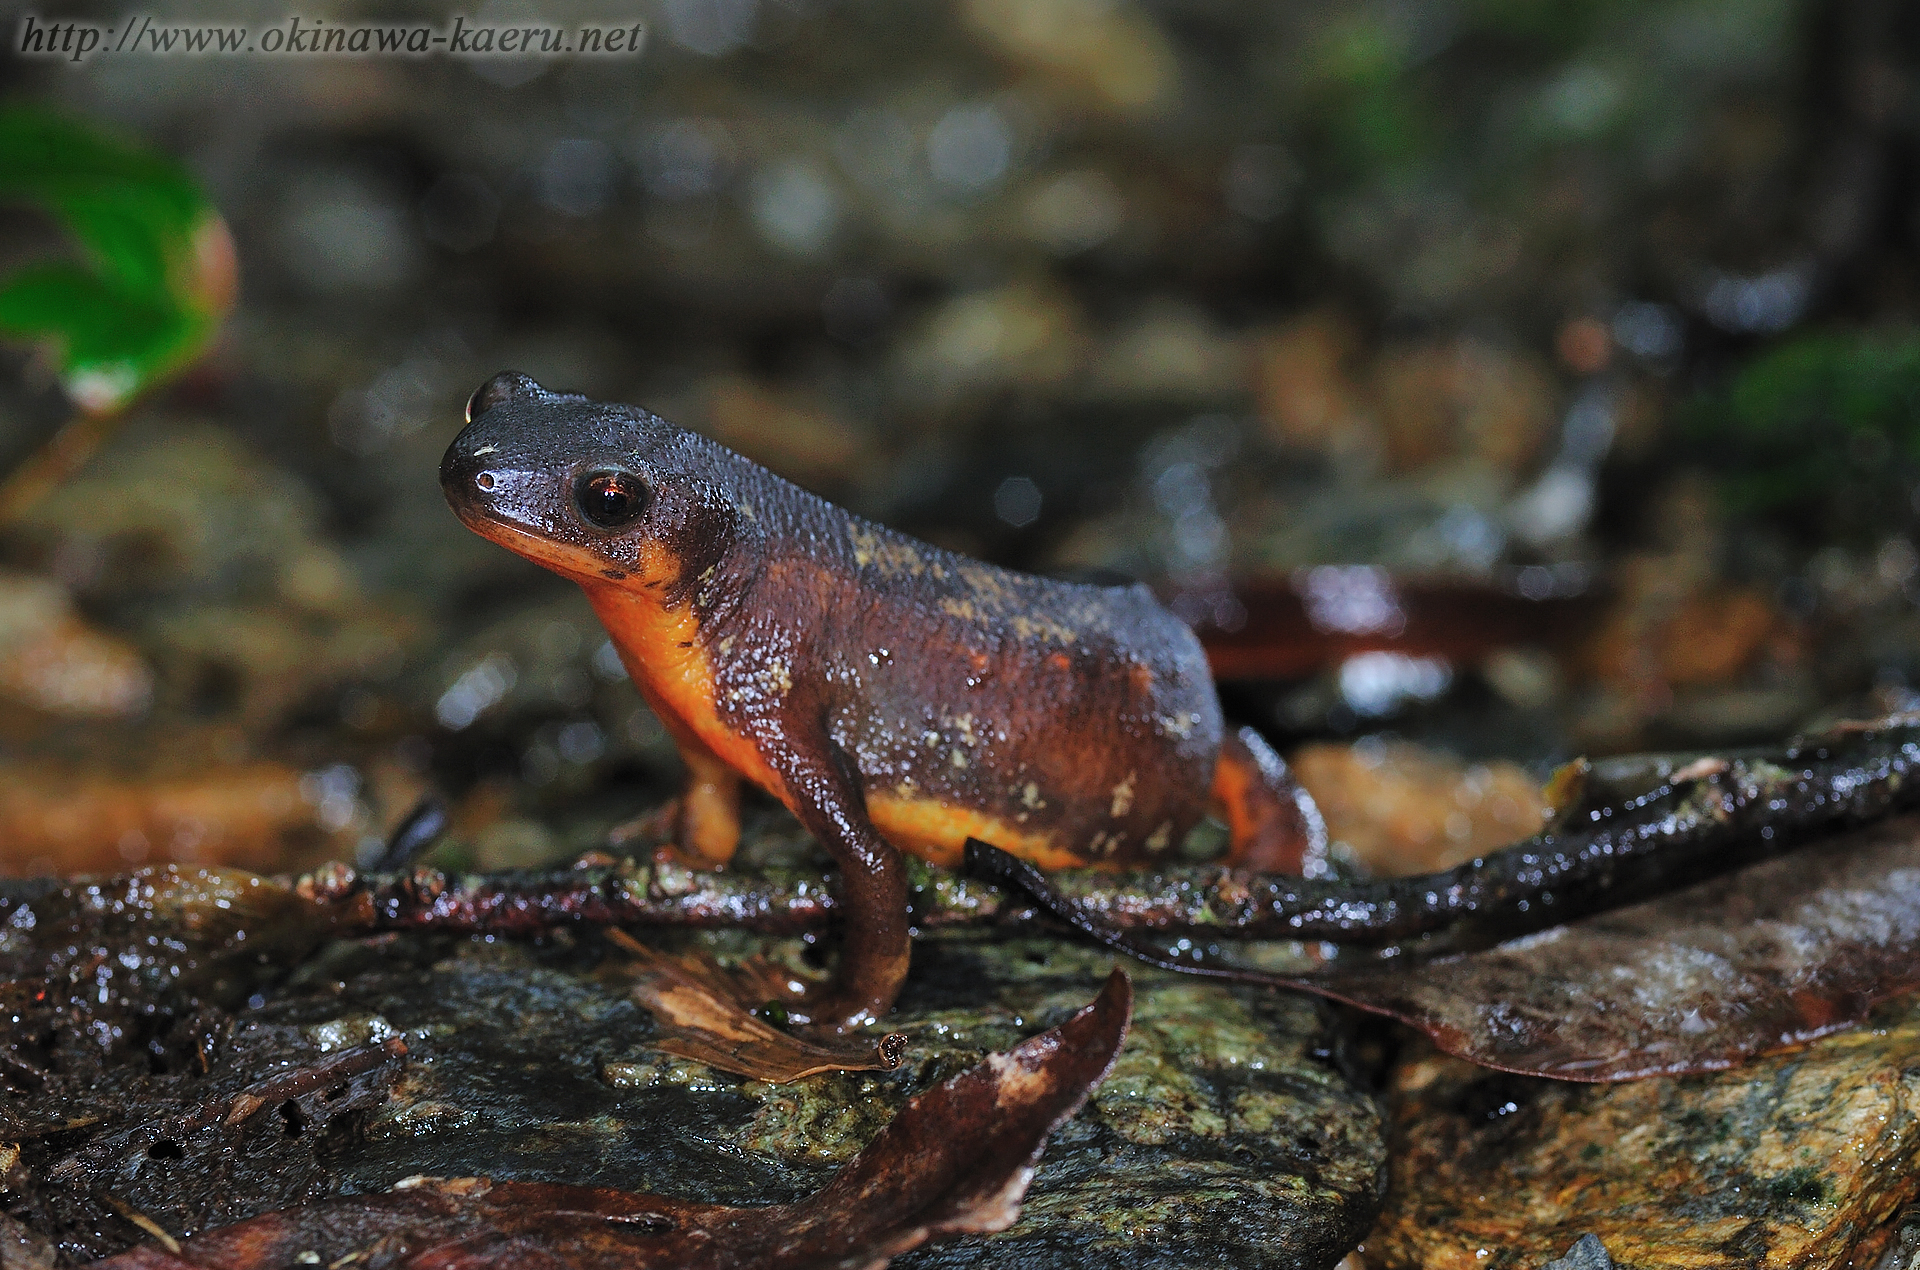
[{"x": 1491, "y": 382}]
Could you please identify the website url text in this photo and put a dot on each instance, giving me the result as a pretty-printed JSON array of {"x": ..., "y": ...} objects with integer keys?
[{"x": 141, "y": 36}]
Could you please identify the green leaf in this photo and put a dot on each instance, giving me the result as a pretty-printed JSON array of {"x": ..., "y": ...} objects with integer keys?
[
  {"x": 91, "y": 319},
  {"x": 150, "y": 287}
]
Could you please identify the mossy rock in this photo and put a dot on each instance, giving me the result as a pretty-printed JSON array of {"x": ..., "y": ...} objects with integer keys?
[{"x": 1227, "y": 1133}]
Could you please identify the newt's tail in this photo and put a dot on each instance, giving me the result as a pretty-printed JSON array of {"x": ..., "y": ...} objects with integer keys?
[{"x": 1275, "y": 825}]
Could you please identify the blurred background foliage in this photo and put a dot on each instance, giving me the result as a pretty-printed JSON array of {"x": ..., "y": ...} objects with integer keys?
[{"x": 1578, "y": 339}]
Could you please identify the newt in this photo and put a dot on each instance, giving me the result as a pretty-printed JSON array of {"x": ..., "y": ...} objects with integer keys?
[{"x": 893, "y": 695}]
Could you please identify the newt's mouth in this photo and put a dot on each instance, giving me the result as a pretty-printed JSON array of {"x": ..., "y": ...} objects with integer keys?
[{"x": 548, "y": 553}]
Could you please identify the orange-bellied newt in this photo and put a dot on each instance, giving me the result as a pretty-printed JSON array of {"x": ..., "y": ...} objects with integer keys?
[{"x": 895, "y": 696}]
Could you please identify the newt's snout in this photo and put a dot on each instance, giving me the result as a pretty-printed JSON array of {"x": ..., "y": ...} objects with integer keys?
[
  {"x": 497, "y": 471},
  {"x": 482, "y": 490},
  {"x": 465, "y": 478}
]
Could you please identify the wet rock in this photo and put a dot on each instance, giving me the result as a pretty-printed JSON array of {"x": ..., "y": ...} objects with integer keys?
[
  {"x": 1170, "y": 353},
  {"x": 1019, "y": 336},
  {"x": 1074, "y": 211},
  {"x": 1791, "y": 1160},
  {"x": 21, "y": 1246},
  {"x": 1587, "y": 1253},
  {"x": 176, "y": 503},
  {"x": 1225, "y": 1134},
  {"x": 257, "y": 663},
  {"x": 53, "y": 660},
  {"x": 1903, "y": 1244}
]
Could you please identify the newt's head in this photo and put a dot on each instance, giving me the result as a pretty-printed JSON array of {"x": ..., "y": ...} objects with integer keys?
[{"x": 594, "y": 492}]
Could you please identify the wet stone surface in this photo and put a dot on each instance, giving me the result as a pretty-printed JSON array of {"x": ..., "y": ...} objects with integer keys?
[
  {"x": 1226, "y": 1134},
  {"x": 1802, "y": 1159}
]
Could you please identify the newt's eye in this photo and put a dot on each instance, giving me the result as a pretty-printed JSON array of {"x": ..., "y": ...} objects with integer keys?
[{"x": 611, "y": 500}]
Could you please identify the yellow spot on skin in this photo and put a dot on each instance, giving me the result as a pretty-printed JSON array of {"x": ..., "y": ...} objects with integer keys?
[
  {"x": 1030, "y": 797},
  {"x": 725, "y": 646},
  {"x": 962, "y": 609},
  {"x": 1122, "y": 797},
  {"x": 890, "y": 558},
  {"x": 745, "y": 510},
  {"x": 958, "y": 757},
  {"x": 986, "y": 582},
  {"x": 1161, "y": 838},
  {"x": 1042, "y": 628},
  {"x": 779, "y": 677}
]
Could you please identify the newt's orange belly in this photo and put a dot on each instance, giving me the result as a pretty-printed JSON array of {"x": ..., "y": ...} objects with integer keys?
[{"x": 937, "y": 832}]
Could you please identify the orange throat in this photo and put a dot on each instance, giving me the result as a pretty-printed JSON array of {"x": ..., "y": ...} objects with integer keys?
[{"x": 665, "y": 652}]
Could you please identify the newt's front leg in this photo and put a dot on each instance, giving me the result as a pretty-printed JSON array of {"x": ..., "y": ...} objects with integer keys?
[
  {"x": 875, "y": 946},
  {"x": 707, "y": 821}
]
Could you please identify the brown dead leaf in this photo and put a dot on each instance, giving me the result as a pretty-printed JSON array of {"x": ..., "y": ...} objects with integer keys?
[
  {"x": 697, "y": 1006},
  {"x": 957, "y": 1160},
  {"x": 1771, "y": 956}
]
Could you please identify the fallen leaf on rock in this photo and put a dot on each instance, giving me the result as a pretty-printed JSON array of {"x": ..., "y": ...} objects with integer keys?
[
  {"x": 957, "y": 1160},
  {"x": 697, "y": 1007},
  {"x": 1774, "y": 955}
]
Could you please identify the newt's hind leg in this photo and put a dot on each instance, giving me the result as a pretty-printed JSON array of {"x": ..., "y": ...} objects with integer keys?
[{"x": 1275, "y": 825}]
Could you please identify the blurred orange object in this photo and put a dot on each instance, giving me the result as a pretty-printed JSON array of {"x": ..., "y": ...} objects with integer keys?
[
  {"x": 1405, "y": 809},
  {"x": 59, "y": 819}
]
